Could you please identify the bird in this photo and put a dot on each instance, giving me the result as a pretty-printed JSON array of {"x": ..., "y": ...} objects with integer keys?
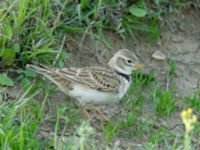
[{"x": 98, "y": 85}]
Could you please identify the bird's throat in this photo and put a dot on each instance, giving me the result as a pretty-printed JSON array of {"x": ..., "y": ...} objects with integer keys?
[{"x": 127, "y": 77}]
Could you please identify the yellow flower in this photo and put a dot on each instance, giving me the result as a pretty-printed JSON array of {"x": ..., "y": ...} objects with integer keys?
[{"x": 188, "y": 119}]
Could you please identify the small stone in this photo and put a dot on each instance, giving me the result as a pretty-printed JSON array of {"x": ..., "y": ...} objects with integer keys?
[{"x": 159, "y": 55}]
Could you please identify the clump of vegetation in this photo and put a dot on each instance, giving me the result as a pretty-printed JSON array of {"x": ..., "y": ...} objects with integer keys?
[{"x": 34, "y": 30}]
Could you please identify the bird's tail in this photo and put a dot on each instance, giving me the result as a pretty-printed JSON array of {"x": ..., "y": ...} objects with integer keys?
[
  {"x": 41, "y": 69},
  {"x": 51, "y": 74}
]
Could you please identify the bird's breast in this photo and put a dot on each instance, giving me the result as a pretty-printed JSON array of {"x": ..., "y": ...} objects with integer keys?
[
  {"x": 125, "y": 84},
  {"x": 88, "y": 95}
]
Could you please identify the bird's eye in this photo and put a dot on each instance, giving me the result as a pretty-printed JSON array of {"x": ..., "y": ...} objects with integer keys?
[{"x": 129, "y": 61}]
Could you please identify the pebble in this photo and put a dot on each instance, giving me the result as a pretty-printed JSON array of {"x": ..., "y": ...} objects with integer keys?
[{"x": 159, "y": 55}]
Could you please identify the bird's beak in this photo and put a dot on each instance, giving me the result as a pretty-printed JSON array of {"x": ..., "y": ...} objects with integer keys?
[{"x": 138, "y": 66}]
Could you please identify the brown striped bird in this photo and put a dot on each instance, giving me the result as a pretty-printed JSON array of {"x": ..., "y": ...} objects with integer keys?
[{"x": 94, "y": 85}]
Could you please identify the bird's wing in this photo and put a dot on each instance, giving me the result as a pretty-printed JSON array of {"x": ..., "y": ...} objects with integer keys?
[{"x": 99, "y": 78}]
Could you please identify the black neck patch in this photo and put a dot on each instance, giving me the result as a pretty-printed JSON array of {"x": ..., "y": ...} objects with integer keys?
[{"x": 127, "y": 77}]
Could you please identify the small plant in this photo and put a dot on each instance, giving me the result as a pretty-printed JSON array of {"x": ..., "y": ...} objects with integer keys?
[
  {"x": 5, "y": 80},
  {"x": 172, "y": 68},
  {"x": 188, "y": 120},
  {"x": 111, "y": 130},
  {"x": 19, "y": 122},
  {"x": 163, "y": 102},
  {"x": 194, "y": 102}
]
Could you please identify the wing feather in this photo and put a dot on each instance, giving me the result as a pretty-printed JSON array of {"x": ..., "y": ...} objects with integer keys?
[{"x": 97, "y": 77}]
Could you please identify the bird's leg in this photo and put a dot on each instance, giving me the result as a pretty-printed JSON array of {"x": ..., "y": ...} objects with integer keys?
[
  {"x": 103, "y": 117},
  {"x": 85, "y": 112},
  {"x": 88, "y": 116}
]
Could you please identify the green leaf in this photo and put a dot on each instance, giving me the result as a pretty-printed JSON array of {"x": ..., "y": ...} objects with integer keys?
[
  {"x": 5, "y": 80},
  {"x": 8, "y": 56},
  {"x": 138, "y": 12},
  {"x": 16, "y": 47},
  {"x": 39, "y": 51},
  {"x": 72, "y": 29},
  {"x": 85, "y": 3},
  {"x": 2, "y": 132},
  {"x": 29, "y": 73},
  {"x": 8, "y": 31}
]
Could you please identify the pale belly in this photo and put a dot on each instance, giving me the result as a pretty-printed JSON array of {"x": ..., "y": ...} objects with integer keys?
[{"x": 92, "y": 96}]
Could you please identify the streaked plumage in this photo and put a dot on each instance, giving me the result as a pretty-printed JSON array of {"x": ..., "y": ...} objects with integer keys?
[{"x": 98, "y": 84}]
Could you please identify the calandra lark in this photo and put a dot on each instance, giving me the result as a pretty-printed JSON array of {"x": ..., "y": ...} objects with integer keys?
[{"x": 95, "y": 85}]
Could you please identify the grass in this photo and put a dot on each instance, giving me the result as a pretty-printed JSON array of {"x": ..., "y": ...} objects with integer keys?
[
  {"x": 41, "y": 32},
  {"x": 19, "y": 124},
  {"x": 34, "y": 30}
]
